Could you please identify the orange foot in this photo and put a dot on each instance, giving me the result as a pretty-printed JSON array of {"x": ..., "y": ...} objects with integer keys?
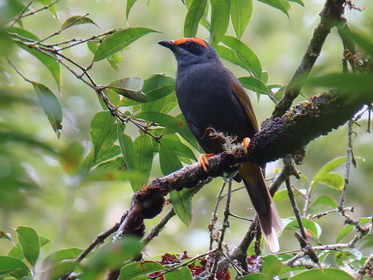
[
  {"x": 246, "y": 144},
  {"x": 204, "y": 160}
]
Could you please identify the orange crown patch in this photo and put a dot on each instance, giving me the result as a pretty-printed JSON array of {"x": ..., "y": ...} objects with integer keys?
[{"x": 184, "y": 40}]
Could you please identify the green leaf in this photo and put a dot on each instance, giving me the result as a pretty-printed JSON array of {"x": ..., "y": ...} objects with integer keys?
[
  {"x": 219, "y": 20},
  {"x": 281, "y": 195},
  {"x": 126, "y": 146},
  {"x": 168, "y": 121},
  {"x": 16, "y": 252},
  {"x": 43, "y": 241},
  {"x": 112, "y": 60},
  {"x": 51, "y": 8},
  {"x": 278, "y": 4},
  {"x": 158, "y": 86},
  {"x": 103, "y": 134},
  {"x": 346, "y": 83},
  {"x": 179, "y": 274},
  {"x": 257, "y": 276},
  {"x": 51, "y": 106},
  {"x": 347, "y": 256},
  {"x": 322, "y": 274},
  {"x": 169, "y": 104},
  {"x": 129, "y": 7},
  {"x": 182, "y": 203},
  {"x": 254, "y": 84},
  {"x": 173, "y": 142},
  {"x": 155, "y": 87},
  {"x": 112, "y": 170},
  {"x": 137, "y": 269},
  {"x": 130, "y": 88},
  {"x": 13, "y": 267},
  {"x": 241, "y": 11},
  {"x": 194, "y": 15},
  {"x": 49, "y": 61},
  {"x": 143, "y": 159},
  {"x": 346, "y": 230},
  {"x": 245, "y": 55},
  {"x": 333, "y": 180},
  {"x": 30, "y": 244},
  {"x": 325, "y": 199},
  {"x": 326, "y": 169},
  {"x": 272, "y": 266},
  {"x": 119, "y": 40},
  {"x": 300, "y": 2},
  {"x": 168, "y": 159},
  {"x": 229, "y": 55},
  {"x": 310, "y": 226},
  {"x": 76, "y": 20},
  {"x": 112, "y": 256},
  {"x": 60, "y": 269},
  {"x": 64, "y": 254}
]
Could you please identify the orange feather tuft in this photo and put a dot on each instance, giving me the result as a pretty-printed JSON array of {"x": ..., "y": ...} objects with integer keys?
[{"x": 184, "y": 40}]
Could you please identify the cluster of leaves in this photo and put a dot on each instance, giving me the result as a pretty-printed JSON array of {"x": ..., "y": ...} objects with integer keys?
[
  {"x": 148, "y": 104},
  {"x": 20, "y": 263}
]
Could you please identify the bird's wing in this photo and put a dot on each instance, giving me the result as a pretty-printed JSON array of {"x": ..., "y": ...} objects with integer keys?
[{"x": 244, "y": 100}]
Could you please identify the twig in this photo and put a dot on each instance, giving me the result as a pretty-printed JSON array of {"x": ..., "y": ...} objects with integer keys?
[
  {"x": 23, "y": 15},
  {"x": 98, "y": 240},
  {"x": 240, "y": 218},
  {"x": 214, "y": 217},
  {"x": 349, "y": 158},
  {"x": 225, "y": 226},
  {"x": 62, "y": 29},
  {"x": 322, "y": 214},
  {"x": 18, "y": 72},
  {"x": 302, "y": 238},
  {"x": 366, "y": 269},
  {"x": 296, "y": 209},
  {"x": 159, "y": 226}
]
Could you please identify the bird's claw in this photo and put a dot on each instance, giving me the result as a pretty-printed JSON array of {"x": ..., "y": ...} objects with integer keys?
[
  {"x": 246, "y": 144},
  {"x": 204, "y": 161}
]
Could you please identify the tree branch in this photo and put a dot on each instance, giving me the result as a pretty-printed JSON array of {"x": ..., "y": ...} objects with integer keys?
[{"x": 331, "y": 15}]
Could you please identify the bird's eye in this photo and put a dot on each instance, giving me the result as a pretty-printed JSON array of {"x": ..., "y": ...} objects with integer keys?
[{"x": 188, "y": 43}]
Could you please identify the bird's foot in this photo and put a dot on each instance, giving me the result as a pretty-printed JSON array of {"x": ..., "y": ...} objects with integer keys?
[
  {"x": 246, "y": 144},
  {"x": 204, "y": 160}
]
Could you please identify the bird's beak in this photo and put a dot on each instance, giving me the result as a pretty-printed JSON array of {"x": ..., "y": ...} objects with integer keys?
[{"x": 167, "y": 44}]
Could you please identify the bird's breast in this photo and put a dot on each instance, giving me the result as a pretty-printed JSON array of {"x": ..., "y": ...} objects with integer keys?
[{"x": 207, "y": 101}]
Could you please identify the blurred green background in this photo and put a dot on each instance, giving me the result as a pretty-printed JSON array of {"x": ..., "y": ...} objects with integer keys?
[{"x": 43, "y": 194}]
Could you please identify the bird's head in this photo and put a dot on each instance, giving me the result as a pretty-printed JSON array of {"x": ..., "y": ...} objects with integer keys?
[{"x": 191, "y": 51}]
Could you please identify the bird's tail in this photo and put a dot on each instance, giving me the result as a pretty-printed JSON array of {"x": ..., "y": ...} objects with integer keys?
[{"x": 269, "y": 218}]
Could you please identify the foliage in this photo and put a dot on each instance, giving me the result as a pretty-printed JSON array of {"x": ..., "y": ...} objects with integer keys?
[{"x": 138, "y": 132}]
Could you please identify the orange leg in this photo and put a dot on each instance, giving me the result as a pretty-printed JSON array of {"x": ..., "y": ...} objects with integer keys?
[
  {"x": 204, "y": 160},
  {"x": 246, "y": 144}
]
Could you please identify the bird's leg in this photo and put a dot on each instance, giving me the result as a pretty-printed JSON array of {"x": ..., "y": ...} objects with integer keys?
[
  {"x": 204, "y": 160},
  {"x": 246, "y": 144}
]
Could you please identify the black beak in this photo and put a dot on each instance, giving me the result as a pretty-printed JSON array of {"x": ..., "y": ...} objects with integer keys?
[{"x": 167, "y": 44}]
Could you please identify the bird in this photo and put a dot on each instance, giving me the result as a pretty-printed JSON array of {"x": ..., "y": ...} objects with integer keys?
[{"x": 212, "y": 99}]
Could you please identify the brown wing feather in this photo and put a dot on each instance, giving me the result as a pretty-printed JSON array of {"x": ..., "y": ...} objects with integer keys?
[{"x": 244, "y": 100}]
